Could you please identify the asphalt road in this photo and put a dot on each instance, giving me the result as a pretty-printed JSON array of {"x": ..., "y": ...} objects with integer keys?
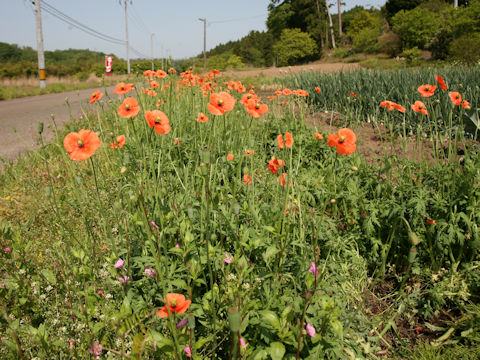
[{"x": 19, "y": 118}]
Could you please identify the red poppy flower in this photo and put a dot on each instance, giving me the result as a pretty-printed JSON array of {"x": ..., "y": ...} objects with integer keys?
[
  {"x": 317, "y": 89},
  {"x": 97, "y": 95},
  {"x": 128, "y": 108},
  {"x": 300, "y": 92},
  {"x": 441, "y": 82},
  {"x": 81, "y": 145},
  {"x": 220, "y": 103},
  {"x": 120, "y": 141},
  {"x": 230, "y": 157},
  {"x": 344, "y": 141},
  {"x": 172, "y": 71},
  {"x": 154, "y": 84},
  {"x": 352, "y": 93},
  {"x": 256, "y": 109},
  {"x": 122, "y": 88},
  {"x": 318, "y": 136},
  {"x": 148, "y": 73},
  {"x": 427, "y": 90},
  {"x": 456, "y": 97},
  {"x": 176, "y": 304},
  {"x": 287, "y": 143},
  {"x": 431, "y": 222},
  {"x": 286, "y": 91},
  {"x": 249, "y": 152},
  {"x": 278, "y": 92},
  {"x": 247, "y": 179},
  {"x": 419, "y": 107},
  {"x": 466, "y": 105},
  {"x": 159, "y": 121},
  {"x": 275, "y": 164},
  {"x": 201, "y": 117}
]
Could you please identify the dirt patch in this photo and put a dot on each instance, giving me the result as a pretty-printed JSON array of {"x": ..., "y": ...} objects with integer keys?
[
  {"x": 290, "y": 70},
  {"x": 374, "y": 142}
]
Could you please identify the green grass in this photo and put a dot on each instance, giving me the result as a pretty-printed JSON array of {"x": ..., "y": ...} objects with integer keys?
[{"x": 175, "y": 204}]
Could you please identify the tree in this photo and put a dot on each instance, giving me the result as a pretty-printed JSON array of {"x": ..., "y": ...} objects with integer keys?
[
  {"x": 416, "y": 27},
  {"x": 295, "y": 46}
]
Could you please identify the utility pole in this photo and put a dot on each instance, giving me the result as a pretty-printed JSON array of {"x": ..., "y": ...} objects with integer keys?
[
  {"x": 41, "y": 57},
  {"x": 204, "y": 44},
  {"x": 151, "y": 48},
  {"x": 126, "y": 32}
]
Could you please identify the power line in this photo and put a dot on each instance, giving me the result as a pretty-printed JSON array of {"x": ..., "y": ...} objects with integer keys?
[
  {"x": 72, "y": 22},
  {"x": 139, "y": 20}
]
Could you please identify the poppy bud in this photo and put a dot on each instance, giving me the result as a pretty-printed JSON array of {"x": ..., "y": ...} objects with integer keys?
[
  {"x": 40, "y": 128},
  {"x": 333, "y": 201},
  {"x": 415, "y": 240}
]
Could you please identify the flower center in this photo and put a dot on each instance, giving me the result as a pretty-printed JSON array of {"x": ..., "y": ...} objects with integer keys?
[
  {"x": 173, "y": 304},
  {"x": 341, "y": 139},
  {"x": 220, "y": 102},
  {"x": 157, "y": 120},
  {"x": 257, "y": 106},
  {"x": 80, "y": 143},
  {"x": 127, "y": 106}
]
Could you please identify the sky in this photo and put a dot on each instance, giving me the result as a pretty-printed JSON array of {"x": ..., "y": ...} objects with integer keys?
[{"x": 175, "y": 25}]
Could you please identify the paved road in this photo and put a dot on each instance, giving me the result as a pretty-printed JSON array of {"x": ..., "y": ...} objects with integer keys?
[{"x": 19, "y": 118}]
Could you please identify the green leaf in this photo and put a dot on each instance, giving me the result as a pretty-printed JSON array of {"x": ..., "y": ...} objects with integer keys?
[
  {"x": 50, "y": 276},
  {"x": 270, "y": 318},
  {"x": 163, "y": 344},
  {"x": 277, "y": 350}
]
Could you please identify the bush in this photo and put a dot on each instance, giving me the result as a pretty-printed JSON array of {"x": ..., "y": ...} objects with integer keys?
[
  {"x": 366, "y": 40},
  {"x": 294, "y": 47},
  {"x": 390, "y": 44},
  {"x": 466, "y": 48},
  {"x": 416, "y": 27},
  {"x": 412, "y": 56}
]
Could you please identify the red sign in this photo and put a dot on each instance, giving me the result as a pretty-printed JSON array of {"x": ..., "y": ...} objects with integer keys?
[{"x": 108, "y": 64}]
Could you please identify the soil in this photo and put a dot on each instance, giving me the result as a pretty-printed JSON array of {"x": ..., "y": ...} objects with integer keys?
[{"x": 289, "y": 70}]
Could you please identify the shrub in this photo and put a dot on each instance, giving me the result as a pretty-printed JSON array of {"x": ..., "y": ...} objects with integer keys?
[
  {"x": 366, "y": 40},
  {"x": 390, "y": 43},
  {"x": 412, "y": 56},
  {"x": 294, "y": 47},
  {"x": 416, "y": 27},
  {"x": 466, "y": 48}
]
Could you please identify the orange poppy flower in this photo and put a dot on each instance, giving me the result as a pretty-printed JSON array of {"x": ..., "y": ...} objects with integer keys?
[
  {"x": 317, "y": 89},
  {"x": 176, "y": 304},
  {"x": 159, "y": 103},
  {"x": 154, "y": 84},
  {"x": 300, "y": 92},
  {"x": 120, "y": 141},
  {"x": 122, "y": 88},
  {"x": 172, "y": 71},
  {"x": 201, "y": 117},
  {"x": 230, "y": 157},
  {"x": 97, "y": 95},
  {"x": 249, "y": 152},
  {"x": 220, "y": 103},
  {"x": 456, "y": 97},
  {"x": 287, "y": 92},
  {"x": 466, "y": 105},
  {"x": 129, "y": 108},
  {"x": 81, "y": 145},
  {"x": 441, "y": 82},
  {"x": 352, "y": 93},
  {"x": 399, "y": 108},
  {"x": 249, "y": 96},
  {"x": 283, "y": 182},
  {"x": 278, "y": 93},
  {"x": 148, "y": 73},
  {"x": 287, "y": 143},
  {"x": 427, "y": 90},
  {"x": 318, "y": 136},
  {"x": 419, "y": 107},
  {"x": 344, "y": 141},
  {"x": 177, "y": 141},
  {"x": 275, "y": 164},
  {"x": 160, "y": 74},
  {"x": 255, "y": 109},
  {"x": 159, "y": 121},
  {"x": 247, "y": 179},
  {"x": 387, "y": 104}
]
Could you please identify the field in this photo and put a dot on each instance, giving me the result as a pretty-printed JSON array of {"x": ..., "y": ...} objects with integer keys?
[{"x": 315, "y": 216}]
